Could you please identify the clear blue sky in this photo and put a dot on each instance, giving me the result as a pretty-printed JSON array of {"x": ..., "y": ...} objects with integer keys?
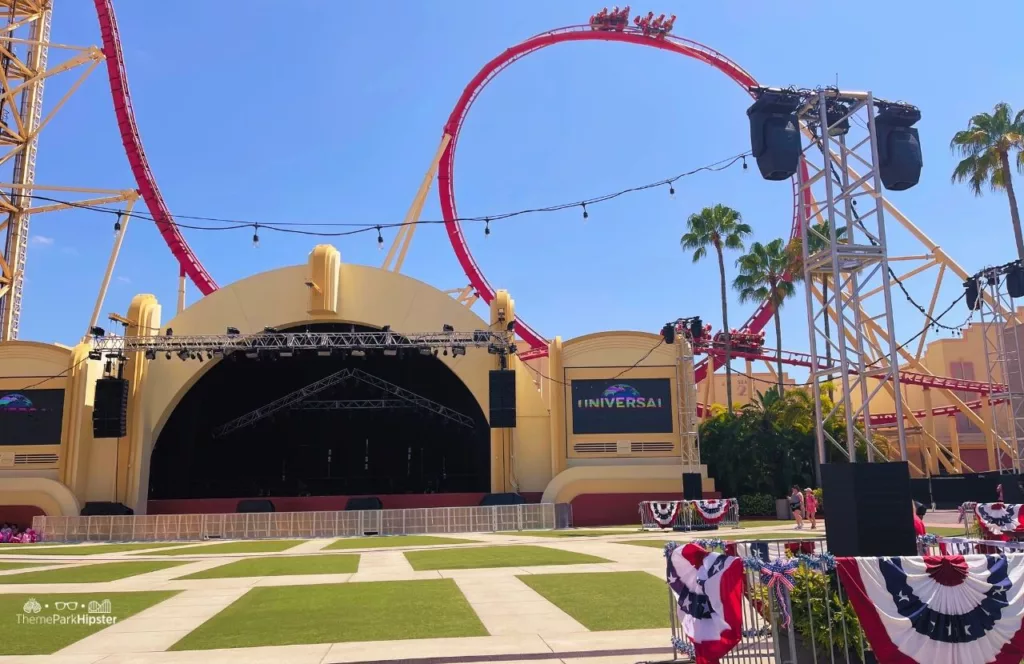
[{"x": 331, "y": 111}]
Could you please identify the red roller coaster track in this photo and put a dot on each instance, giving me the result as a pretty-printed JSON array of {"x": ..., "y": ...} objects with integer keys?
[
  {"x": 189, "y": 262},
  {"x": 193, "y": 268}
]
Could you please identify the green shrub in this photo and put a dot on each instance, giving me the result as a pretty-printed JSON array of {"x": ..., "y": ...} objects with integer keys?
[
  {"x": 814, "y": 598},
  {"x": 758, "y": 504}
]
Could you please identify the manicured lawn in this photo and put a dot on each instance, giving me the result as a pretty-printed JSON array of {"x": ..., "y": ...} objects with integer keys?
[
  {"x": 765, "y": 523},
  {"x": 6, "y": 566},
  {"x": 946, "y": 531},
  {"x": 282, "y": 566},
  {"x": 606, "y": 600},
  {"x": 567, "y": 533},
  {"x": 96, "y": 573},
  {"x": 496, "y": 556},
  {"x": 85, "y": 550},
  {"x": 251, "y": 546},
  {"x": 394, "y": 541},
  {"x": 19, "y": 637},
  {"x": 371, "y": 611}
]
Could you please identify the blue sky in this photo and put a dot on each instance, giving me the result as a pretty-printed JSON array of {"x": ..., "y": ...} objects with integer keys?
[{"x": 331, "y": 111}]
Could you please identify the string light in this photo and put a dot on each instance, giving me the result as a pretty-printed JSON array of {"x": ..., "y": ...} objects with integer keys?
[
  {"x": 671, "y": 191},
  {"x": 487, "y": 227},
  {"x": 744, "y": 162},
  {"x": 380, "y": 240},
  {"x": 586, "y": 215},
  {"x": 255, "y": 236},
  {"x": 117, "y": 226}
]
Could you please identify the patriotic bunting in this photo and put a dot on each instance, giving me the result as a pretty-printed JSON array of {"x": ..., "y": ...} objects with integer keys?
[
  {"x": 998, "y": 518},
  {"x": 712, "y": 511},
  {"x": 939, "y": 609},
  {"x": 664, "y": 513},
  {"x": 709, "y": 587}
]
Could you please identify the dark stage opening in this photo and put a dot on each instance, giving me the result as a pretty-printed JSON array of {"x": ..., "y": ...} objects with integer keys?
[{"x": 352, "y": 438}]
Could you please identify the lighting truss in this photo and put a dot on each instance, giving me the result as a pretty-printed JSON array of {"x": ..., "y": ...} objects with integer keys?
[
  {"x": 496, "y": 343},
  {"x": 1003, "y": 369},
  {"x": 300, "y": 395},
  {"x": 841, "y": 129},
  {"x": 353, "y": 404}
]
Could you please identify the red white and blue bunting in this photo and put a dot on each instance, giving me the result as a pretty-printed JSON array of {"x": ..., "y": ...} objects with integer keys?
[
  {"x": 664, "y": 514},
  {"x": 998, "y": 518},
  {"x": 709, "y": 588},
  {"x": 712, "y": 511},
  {"x": 939, "y": 609}
]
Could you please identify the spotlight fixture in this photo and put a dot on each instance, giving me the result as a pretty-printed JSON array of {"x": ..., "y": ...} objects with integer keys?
[
  {"x": 150, "y": 354},
  {"x": 209, "y": 354},
  {"x": 668, "y": 333},
  {"x": 424, "y": 351},
  {"x": 458, "y": 350},
  {"x": 183, "y": 355},
  {"x": 447, "y": 328},
  {"x": 390, "y": 352},
  {"x": 445, "y": 352},
  {"x": 97, "y": 331},
  {"x": 168, "y": 355},
  {"x": 252, "y": 354},
  {"x": 837, "y": 118},
  {"x": 170, "y": 332},
  {"x": 95, "y": 355},
  {"x": 270, "y": 330},
  {"x": 511, "y": 327},
  {"x": 233, "y": 332},
  {"x": 192, "y": 356},
  {"x": 286, "y": 352},
  {"x": 323, "y": 352},
  {"x": 435, "y": 352},
  {"x": 358, "y": 353},
  {"x": 481, "y": 336}
]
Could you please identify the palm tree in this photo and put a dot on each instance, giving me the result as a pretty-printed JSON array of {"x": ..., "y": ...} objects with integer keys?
[
  {"x": 720, "y": 227},
  {"x": 985, "y": 146},
  {"x": 763, "y": 278}
]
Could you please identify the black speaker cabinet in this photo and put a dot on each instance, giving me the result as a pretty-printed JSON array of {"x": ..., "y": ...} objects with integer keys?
[
  {"x": 254, "y": 506},
  {"x": 693, "y": 486},
  {"x": 110, "y": 408},
  {"x": 870, "y": 509},
  {"x": 775, "y": 135},
  {"x": 503, "y": 399},
  {"x": 1011, "y": 489},
  {"x": 899, "y": 148},
  {"x": 106, "y": 509}
]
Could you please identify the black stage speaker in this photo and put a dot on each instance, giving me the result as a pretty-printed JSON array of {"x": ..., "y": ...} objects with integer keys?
[
  {"x": 503, "y": 399},
  {"x": 492, "y": 499},
  {"x": 110, "y": 408},
  {"x": 106, "y": 509},
  {"x": 364, "y": 503},
  {"x": 254, "y": 506},
  {"x": 1011, "y": 489},
  {"x": 1015, "y": 282},
  {"x": 775, "y": 135},
  {"x": 870, "y": 508},
  {"x": 899, "y": 147},
  {"x": 693, "y": 486}
]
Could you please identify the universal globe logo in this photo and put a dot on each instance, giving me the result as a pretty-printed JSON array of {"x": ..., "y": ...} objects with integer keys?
[{"x": 620, "y": 395}]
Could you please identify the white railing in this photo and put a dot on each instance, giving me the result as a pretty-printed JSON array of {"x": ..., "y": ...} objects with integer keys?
[{"x": 278, "y": 525}]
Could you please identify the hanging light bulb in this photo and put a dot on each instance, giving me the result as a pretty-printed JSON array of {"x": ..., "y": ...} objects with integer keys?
[
  {"x": 117, "y": 226},
  {"x": 256, "y": 236},
  {"x": 671, "y": 190},
  {"x": 487, "y": 227},
  {"x": 744, "y": 163},
  {"x": 586, "y": 215},
  {"x": 380, "y": 240}
]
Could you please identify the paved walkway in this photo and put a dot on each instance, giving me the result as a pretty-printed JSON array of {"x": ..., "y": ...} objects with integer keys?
[{"x": 520, "y": 621}]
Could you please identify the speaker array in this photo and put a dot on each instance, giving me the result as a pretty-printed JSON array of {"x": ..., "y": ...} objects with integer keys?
[
  {"x": 503, "y": 399},
  {"x": 110, "y": 408}
]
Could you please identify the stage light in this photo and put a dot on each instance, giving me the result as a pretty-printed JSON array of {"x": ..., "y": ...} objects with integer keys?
[
  {"x": 424, "y": 351},
  {"x": 458, "y": 351},
  {"x": 447, "y": 328},
  {"x": 192, "y": 356},
  {"x": 1015, "y": 281},
  {"x": 899, "y": 146},
  {"x": 323, "y": 352},
  {"x": 481, "y": 336},
  {"x": 170, "y": 332},
  {"x": 150, "y": 354},
  {"x": 775, "y": 134},
  {"x": 358, "y": 353},
  {"x": 252, "y": 354},
  {"x": 390, "y": 352},
  {"x": 168, "y": 355},
  {"x": 97, "y": 331},
  {"x": 270, "y": 330},
  {"x": 233, "y": 332},
  {"x": 837, "y": 118},
  {"x": 385, "y": 328},
  {"x": 183, "y": 355},
  {"x": 971, "y": 294},
  {"x": 95, "y": 355},
  {"x": 209, "y": 354},
  {"x": 435, "y": 352},
  {"x": 668, "y": 333},
  {"x": 511, "y": 327},
  {"x": 445, "y": 352},
  {"x": 286, "y": 352},
  {"x": 696, "y": 328}
]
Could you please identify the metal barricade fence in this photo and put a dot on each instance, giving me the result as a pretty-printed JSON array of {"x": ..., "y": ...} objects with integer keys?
[
  {"x": 814, "y": 624},
  {"x": 687, "y": 516},
  {"x": 284, "y": 525},
  {"x": 937, "y": 545}
]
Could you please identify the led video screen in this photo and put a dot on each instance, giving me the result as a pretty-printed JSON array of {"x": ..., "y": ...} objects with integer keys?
[
  {"x": 31, "y": 417},
  {"x": 640, "y": 405}
]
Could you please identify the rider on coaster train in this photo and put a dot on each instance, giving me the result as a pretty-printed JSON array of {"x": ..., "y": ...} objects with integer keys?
[{"x": 616, "y": 20}]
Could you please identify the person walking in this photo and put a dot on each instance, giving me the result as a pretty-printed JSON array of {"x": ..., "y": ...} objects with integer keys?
[
  {"x": 796, "y": 506},
  {"x": 811, "y": 507}
]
